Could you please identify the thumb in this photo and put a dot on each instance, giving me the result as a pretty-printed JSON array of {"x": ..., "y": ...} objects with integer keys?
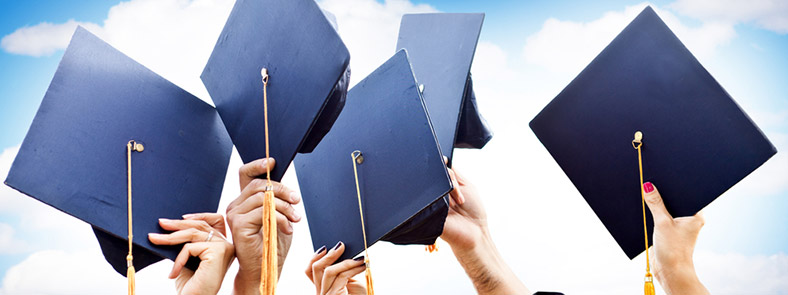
[{"x": 655, "y": 204}]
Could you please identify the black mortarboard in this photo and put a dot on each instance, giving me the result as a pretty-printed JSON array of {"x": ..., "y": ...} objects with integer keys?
[
  {"x": 74, "y": 156},
  {"x": 402, "y": 173},
  {"x": 697, "y": 142},
  {"x": 441, "y": 48},
  {"x": 308, "y": 72}
]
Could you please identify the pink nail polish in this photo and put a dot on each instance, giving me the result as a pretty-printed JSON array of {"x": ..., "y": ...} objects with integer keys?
[{"x": 648, "y": 187}]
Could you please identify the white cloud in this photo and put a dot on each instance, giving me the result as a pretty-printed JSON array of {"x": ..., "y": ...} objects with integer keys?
[
  {"x": 59, "y": 270},
  {"x": 80, "y": 272},
  {"x": 369, "y": 30},
  {"x": 768, "y": 14},
  {"x": 42, "y": 39},
  {"x": 174, "y": 38},
  {"x": 733, "y": 273},
  {"x": 568, "y": 46}
]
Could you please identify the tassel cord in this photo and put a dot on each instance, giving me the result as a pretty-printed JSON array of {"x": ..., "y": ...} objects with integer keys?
[
  {"x": 648, "y": 287},
  {"x": 368, "y": 273},
  {"x": 269, "y": 265},
  {"x": 130, "y": 272}
]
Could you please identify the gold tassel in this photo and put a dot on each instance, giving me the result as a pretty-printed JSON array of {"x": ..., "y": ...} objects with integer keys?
[
  {"x": 358, "y": 159},
  {"x": 368, "y": 274},
  {"x": 130, "y": 275},
  {"x": 269, "y": 268},
  {"x": 269, "y": 264},
  {"x": 648, "y": 288},
  {"x": 130, "y": 146},
  {"x": 637, "y": 143}
]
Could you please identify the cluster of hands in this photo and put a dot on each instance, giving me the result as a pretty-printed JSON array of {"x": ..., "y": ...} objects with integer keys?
[{"x": 465, "y": 230}]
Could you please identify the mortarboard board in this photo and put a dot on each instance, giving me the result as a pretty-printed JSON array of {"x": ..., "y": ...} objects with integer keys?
[
  {"x": 697, "y": 142},
  {"x": 308, "y": 68},
  {"x": 441, "y": 48},
  {"x": 402, "y": 172},
  {"x": 99, "y": 100}
]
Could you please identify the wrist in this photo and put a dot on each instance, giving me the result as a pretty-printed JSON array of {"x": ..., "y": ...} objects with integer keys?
[
  {"x": 680, "y": 279},
  {"x": 486, "y": 268},
  {"x": 246, "y": 283}
]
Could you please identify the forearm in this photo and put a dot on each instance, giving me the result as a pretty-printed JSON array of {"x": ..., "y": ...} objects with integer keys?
[
  {"x": 246, "y": 284},
  {"x": 487, "y": 270},
  {"x": 248, "y": 281},
  {"x": 681, "y": 280}
]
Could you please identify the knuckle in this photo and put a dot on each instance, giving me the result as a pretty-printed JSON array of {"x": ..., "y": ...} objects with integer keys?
[
  {"x": 257, "y": 182},
  {"x": 193, "y": 232},
  {"x": 330, "y": 271},
  {"x": 654, "y": 200},
  {"x": 205, "y": 226},
  {"x": 289, "y": 210}
]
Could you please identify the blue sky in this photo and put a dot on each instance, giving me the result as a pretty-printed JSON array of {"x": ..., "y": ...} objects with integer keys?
[{"x": 748, "y": 222}]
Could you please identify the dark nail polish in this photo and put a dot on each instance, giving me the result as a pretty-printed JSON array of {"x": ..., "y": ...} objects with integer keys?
[
  {"x": 320, "y": 250},
  {"x": 360, "y": 258},
  {"x": 338, "y": 244},
  {"x": 648, "y": 187}
]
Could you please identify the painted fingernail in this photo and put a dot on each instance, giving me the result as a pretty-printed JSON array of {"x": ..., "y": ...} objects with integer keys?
[
  {"x": 360, "y": 258},
  {"x": 338, "y": 243},
  {"x": 320, "y": 250},
  {"x": 648, "y": 187}
]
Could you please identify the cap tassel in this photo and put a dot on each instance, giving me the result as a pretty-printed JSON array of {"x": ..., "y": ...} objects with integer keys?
[
  {"x": 269, "y": 268},
  {"x": 368, "y": 275},
  {"x": 358, "y": 158},
  {"x": 269, "y": 264},
  {"x": 637, "y": 143},
  {"x": 130, "y": 146},
  {"x": 130, "y": 276},
  {"x": 648, "y": 288}
]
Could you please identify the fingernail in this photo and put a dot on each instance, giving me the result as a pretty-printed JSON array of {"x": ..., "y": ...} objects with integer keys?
[
  {"x": 187, "y": 216},
  {"x": 360, "y": 258},
  {"x": 320, "y": 250},
  {"x": 154, "y": 235},
  {"x": 164, "y": 220},
  {"x": 294, "y": 197},
  {"x": 296, "y": 215},
  {"x": 648, "y": 187},
  {"x": 338, "y": 243},
  {"x": 265, "y": 163}
]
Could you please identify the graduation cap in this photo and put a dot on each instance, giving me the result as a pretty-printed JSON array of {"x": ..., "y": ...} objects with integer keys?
[
  {"x": 100, "y": 107},
  {"x": 307, "y": 66},
  {"x": 441, "y": 48},
  {"x": 400, "y": 170},
  {"x": 695, "y": 140}
]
